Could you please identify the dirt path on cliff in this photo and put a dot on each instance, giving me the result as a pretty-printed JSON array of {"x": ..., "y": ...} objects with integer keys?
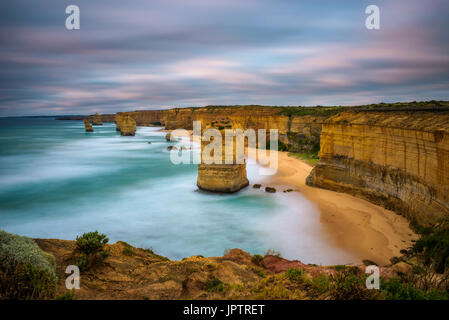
[{"x": 352, "y": 224}]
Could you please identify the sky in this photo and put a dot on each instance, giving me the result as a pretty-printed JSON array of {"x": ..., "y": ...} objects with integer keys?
[{"x": 140, "y": 54}]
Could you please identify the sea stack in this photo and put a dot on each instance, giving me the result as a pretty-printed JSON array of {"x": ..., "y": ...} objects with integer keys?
[
  {"x": 226, "y": 178},
  {"x": 88, "y": 126},
  {"x": 127, "y": 126},
  {"x": 96, "y": 120},
  {"x": 118, "y": 119}
]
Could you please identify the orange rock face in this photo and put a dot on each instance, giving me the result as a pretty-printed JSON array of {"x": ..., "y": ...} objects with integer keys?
[
  {"x": 125, "y": 124},
  {"x": 399, "y": 160},
  {"x": 88, "y": 126}
]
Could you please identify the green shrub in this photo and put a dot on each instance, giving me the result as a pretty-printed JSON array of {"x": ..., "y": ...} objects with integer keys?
[
  {"x": 91, "y": 247},
  {"x": 433, "y": 247},
  {"x": 396, "y": 289},
  {"x": 214, "y": 285},
  {"x": 26, "y": 272},
  {"x": 294, "y": 274},
  {"x": 349, "y": 285}
]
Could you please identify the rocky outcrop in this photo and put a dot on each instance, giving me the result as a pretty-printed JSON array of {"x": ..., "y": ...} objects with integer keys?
[
  {"x": 88, "y": 126},
  {"x": 398, "y": 160},
  {"x": 135, "y": 273},
  {"x": 125, "y": 124},
  {"x": 226, "y": 178},
  {"x": 215, "y": 177},
  {"x": 96, "y": 120},
  {"x": 119, "y": 117}
]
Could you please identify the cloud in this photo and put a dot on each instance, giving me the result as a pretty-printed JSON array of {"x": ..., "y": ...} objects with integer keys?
[{"x": 152, "y": 54}]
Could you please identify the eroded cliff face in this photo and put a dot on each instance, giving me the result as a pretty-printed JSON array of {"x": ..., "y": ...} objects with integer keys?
[
  {"x": 125, "y": 124},
  {"x": 296, "y": 132},
  {"x": 399, "y": 160}
]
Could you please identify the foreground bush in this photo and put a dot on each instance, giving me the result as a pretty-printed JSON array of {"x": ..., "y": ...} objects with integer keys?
[
  {"x": 26, "y": 272},
  {"x": 91, "y": 248},
  {"x": 433, "y": 247}
]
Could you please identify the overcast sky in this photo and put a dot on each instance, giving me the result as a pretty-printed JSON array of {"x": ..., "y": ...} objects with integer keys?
[{"x": 137, "y": 54}]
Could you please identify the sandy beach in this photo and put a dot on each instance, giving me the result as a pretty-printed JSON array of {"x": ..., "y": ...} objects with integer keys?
[{"x": 355, "y": 225}]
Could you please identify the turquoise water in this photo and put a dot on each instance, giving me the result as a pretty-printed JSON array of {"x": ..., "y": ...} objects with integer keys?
[{"x": 57, "y": 181}]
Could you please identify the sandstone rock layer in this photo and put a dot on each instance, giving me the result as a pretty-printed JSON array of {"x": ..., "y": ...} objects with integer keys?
[
  {"x": 398, "y": 160},
  {"x": 125, "y": 124},
  {"x": 221, "y": 177}
]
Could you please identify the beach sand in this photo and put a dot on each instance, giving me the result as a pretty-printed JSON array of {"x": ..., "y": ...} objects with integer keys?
[{"x": 352, "y": 224}]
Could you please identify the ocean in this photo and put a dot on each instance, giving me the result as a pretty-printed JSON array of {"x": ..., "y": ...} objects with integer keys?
[{"x": 57, "y": 181}]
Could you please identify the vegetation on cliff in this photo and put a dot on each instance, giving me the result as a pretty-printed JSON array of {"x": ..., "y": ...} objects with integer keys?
[
  {"x": 26, "y": 272},
  {"x": 133, "y": 273},
  {"x": 90, "y": 247}
]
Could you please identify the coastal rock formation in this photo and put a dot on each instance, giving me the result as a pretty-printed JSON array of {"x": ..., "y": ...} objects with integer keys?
[
  {"x": 88, "y": 126},
  {"x": 168, "y": 136},
  {"x": 96, "y": 120},
  {"x": 227, "y": 178},
  {"x": 398, "y": 160},
  {"x": 270, "y": 190},
  {"x": 299, "y": 128},
  {"x": 118, "y": 119},
  {"x": 125, "y": 124}
]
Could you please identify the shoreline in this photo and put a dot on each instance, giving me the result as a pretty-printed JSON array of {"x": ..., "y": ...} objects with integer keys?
[
  {"x": 355, "y": 225},
  {"x": 364, "y": 230}
]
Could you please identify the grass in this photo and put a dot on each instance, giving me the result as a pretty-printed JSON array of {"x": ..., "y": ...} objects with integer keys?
[{"x": 310, "y": 158}]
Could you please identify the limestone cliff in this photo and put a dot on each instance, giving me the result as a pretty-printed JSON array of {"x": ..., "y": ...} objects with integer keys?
[
  {"x": 125, "y": 124},
  {"x": 398, "y": 159},
  {"x": 96, "y": 120},
  {"x": 299, "y": 128},
  {"x": 88, "y": 126}
]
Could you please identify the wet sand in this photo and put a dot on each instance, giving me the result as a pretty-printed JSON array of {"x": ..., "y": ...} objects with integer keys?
[{"x": 352, "y": 224}]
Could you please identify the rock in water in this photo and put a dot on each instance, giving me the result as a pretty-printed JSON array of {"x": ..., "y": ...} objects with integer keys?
[
  {"x": 118, "y": 119},
  {"x": 96, "y": 120},
  {"x": 227, "y": 178},
  {"x": 128, "y": 126},
  {"x": 88, "y": 126},
  {"x": 168, "y": 136},
  {"x": 270, "y": 190}
]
